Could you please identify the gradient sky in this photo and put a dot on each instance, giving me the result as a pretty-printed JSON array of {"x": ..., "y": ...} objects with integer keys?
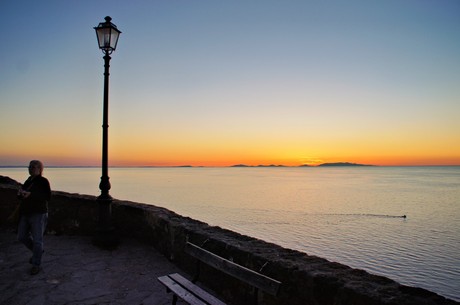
[{"x": 219, "y": 83}]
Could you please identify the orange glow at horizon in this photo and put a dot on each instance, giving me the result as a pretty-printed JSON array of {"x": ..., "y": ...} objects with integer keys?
[
  {"x": 217, "y": 160},
  {"x": 116, "y": 159},
  {"x": 201, "y": 151}
]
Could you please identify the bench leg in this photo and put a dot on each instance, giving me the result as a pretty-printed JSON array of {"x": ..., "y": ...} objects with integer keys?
[{"x": 174, "y": 301}]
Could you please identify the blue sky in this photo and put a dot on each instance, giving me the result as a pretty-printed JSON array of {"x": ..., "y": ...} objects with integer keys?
[{"x": 222, "y": 82}]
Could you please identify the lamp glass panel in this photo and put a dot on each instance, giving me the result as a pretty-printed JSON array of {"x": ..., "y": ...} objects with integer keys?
[
  {"x": 103, "y": 37},
  {"x": 114, "y": 38}
]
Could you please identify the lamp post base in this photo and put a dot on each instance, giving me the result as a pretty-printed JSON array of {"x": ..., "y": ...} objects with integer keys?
[{"x": 105, "y": 236}]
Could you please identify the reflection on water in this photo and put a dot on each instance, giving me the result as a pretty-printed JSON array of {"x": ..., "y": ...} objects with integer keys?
[{"x": 348, "y": 215}]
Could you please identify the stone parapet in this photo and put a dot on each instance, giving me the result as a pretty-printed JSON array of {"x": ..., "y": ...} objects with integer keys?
[{"x": 305, "y": 279}]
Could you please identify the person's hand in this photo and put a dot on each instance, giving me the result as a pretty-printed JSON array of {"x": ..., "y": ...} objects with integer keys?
[{"x": 23, "y": 194}]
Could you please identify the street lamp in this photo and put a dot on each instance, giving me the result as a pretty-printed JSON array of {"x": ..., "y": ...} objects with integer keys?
[{"x": 107, "y": 38}]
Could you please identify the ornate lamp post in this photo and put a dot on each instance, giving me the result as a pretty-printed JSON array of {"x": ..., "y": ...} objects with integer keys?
[{"x": 107, "y": 38}]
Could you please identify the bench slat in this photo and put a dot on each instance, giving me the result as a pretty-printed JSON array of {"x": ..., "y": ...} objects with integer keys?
[
  {"x": 202, "y": 294},
  {"x": 244, "y": 274},
  {"x": 180, "y": 291}
]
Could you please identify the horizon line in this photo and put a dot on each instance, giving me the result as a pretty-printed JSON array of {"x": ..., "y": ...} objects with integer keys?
[{"x": 327, "y": 164}]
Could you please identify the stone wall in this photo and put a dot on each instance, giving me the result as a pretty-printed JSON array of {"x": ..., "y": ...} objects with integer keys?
[{"x": 305, "y": 279}]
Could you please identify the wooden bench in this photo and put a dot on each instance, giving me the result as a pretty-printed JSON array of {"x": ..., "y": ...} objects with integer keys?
[{"x": 191, "y": 293}]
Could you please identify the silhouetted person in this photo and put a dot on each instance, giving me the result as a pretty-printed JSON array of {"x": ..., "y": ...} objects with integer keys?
[{"x": 33, "y": 211}]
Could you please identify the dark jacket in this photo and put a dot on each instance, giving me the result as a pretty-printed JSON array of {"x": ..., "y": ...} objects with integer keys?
[{"x": 40, "y": 194}]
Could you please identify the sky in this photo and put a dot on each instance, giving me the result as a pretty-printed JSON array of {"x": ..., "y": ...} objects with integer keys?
[{"x": 218, "y": 83}]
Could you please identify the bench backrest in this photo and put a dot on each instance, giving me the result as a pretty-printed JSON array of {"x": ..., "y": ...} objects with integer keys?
[{"x": 244, "y": 274}]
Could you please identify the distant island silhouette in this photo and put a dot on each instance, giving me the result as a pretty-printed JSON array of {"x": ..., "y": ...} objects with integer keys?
[
  {"x": 306, "y": 165},
  {"x": 344, "y": 164}
]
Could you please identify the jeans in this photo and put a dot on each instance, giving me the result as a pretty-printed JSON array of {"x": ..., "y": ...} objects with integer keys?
[{"x": 31, "y": 229}]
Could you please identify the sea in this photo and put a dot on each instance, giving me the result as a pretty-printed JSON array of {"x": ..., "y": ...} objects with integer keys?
[{"x": 399, "y": 222}]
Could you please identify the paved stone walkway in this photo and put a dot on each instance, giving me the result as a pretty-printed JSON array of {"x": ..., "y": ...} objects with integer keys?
[{"x": 74, "y": 272}]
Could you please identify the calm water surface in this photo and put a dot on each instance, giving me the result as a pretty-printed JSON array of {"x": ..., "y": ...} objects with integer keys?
[{"x": 348, "y": 215}]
